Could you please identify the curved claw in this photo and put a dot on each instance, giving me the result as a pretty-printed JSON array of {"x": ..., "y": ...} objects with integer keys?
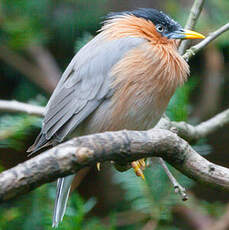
[
  {"x": 136, "y": 165},
  {"x": 98, "y": 166},
  {"x": 142, "y": 164}
]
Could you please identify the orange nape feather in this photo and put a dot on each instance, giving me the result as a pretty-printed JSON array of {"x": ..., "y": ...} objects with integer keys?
[{"x": 131, "y": 26}]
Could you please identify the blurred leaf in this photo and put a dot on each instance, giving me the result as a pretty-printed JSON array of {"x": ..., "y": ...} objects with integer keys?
[
  {"x": 215, "y": 209},
  {"x": 82, "y": 41},
  {"x": 155, "y": 195},
  {"x": 178, "y": 108},
  {"x": 14, "y": 129}
]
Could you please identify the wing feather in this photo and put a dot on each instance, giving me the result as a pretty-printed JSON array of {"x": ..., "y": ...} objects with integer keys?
[
  {"x": 62, "y": 105},
  {"x": 76, "y": 120},
  {"x": 52, "y": 128}
]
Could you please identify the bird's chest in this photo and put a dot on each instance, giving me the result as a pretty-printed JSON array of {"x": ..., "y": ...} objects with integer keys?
[
  {"x": 139, "y": 112},
  {"x": 144, "y": 85},
  {"x": 141, "y": 109}
]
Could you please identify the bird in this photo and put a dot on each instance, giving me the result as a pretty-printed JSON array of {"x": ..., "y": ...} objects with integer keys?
[{"x": 121, "y": 79}]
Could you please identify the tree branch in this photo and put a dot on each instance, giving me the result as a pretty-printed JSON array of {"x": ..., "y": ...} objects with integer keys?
[
  {"x": 212, "y": 36},
  {"x": 193, "y": 133},
  {"x": 191, "y": 22},
  {"x": 177, "y": 187},
  {"x": 15, "y": 106},
  {"x": 121, "y": 146}
]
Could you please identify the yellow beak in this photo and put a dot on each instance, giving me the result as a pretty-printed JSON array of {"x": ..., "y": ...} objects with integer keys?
[
  {"x": 185, "y": 34},
  {"x": 189, "y": 34}
]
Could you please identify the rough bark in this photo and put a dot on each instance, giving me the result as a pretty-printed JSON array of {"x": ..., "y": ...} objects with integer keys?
[{"x": 123, "y": 146}]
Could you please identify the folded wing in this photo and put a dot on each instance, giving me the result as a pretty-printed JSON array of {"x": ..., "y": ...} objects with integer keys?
[{"x": 83, "y": 87}]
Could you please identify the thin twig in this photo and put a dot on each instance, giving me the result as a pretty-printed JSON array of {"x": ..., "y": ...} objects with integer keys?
[
  {"x": 194, "y": 133},
  {"x": 178, "y": 188},
  {"x": 15, "y": 106},
  {"x": 212, "y": 36},
  {"x": 121, "y": 146},
  {"x": 191, "y": 22}
]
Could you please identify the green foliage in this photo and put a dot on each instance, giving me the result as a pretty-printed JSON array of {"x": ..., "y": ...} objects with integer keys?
[
  {"x": 15, "y": 129},
  {"x": 167, "y": 228},
  {"x": 155, "y": 196},
  {"x": 26, "y": 22},
  {"x": 24, "y": 91},
  {"x": 178, "y": 108},
  {"x": 215, "y": 209},
  {"x": 36, "y": 210}
]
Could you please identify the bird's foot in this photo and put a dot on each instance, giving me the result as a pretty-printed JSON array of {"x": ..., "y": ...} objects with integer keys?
[{"x": 139, "y": 167}]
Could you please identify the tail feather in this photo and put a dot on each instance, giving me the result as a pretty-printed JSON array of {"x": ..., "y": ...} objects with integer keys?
[{"x": 62, "y": 194}]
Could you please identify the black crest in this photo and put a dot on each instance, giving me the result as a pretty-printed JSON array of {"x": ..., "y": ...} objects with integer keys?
[{"x": 155, "y": 16}]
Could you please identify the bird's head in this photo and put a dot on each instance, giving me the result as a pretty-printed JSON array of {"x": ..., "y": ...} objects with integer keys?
[{"x": 149, "y": 22}]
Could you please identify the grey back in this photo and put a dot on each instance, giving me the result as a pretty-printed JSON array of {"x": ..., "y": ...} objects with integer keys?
[{"x": 84, "y": 85}]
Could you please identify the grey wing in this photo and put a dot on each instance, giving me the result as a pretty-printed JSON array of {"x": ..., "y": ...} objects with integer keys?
[{"x": 83, "y": 87}]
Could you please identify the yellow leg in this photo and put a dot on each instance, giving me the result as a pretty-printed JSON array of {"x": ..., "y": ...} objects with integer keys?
[
  {"x": 138, "y": 166},
  {"x": 98, "y": 164},
  {"x": 142, "y": 164}
]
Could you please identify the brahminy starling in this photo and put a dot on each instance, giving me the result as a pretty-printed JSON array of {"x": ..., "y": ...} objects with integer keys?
[{"x": 122, "y": 79}]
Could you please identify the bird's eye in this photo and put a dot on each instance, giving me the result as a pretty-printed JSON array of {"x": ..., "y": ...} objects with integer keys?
[{"x": 160, "y": 28}]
